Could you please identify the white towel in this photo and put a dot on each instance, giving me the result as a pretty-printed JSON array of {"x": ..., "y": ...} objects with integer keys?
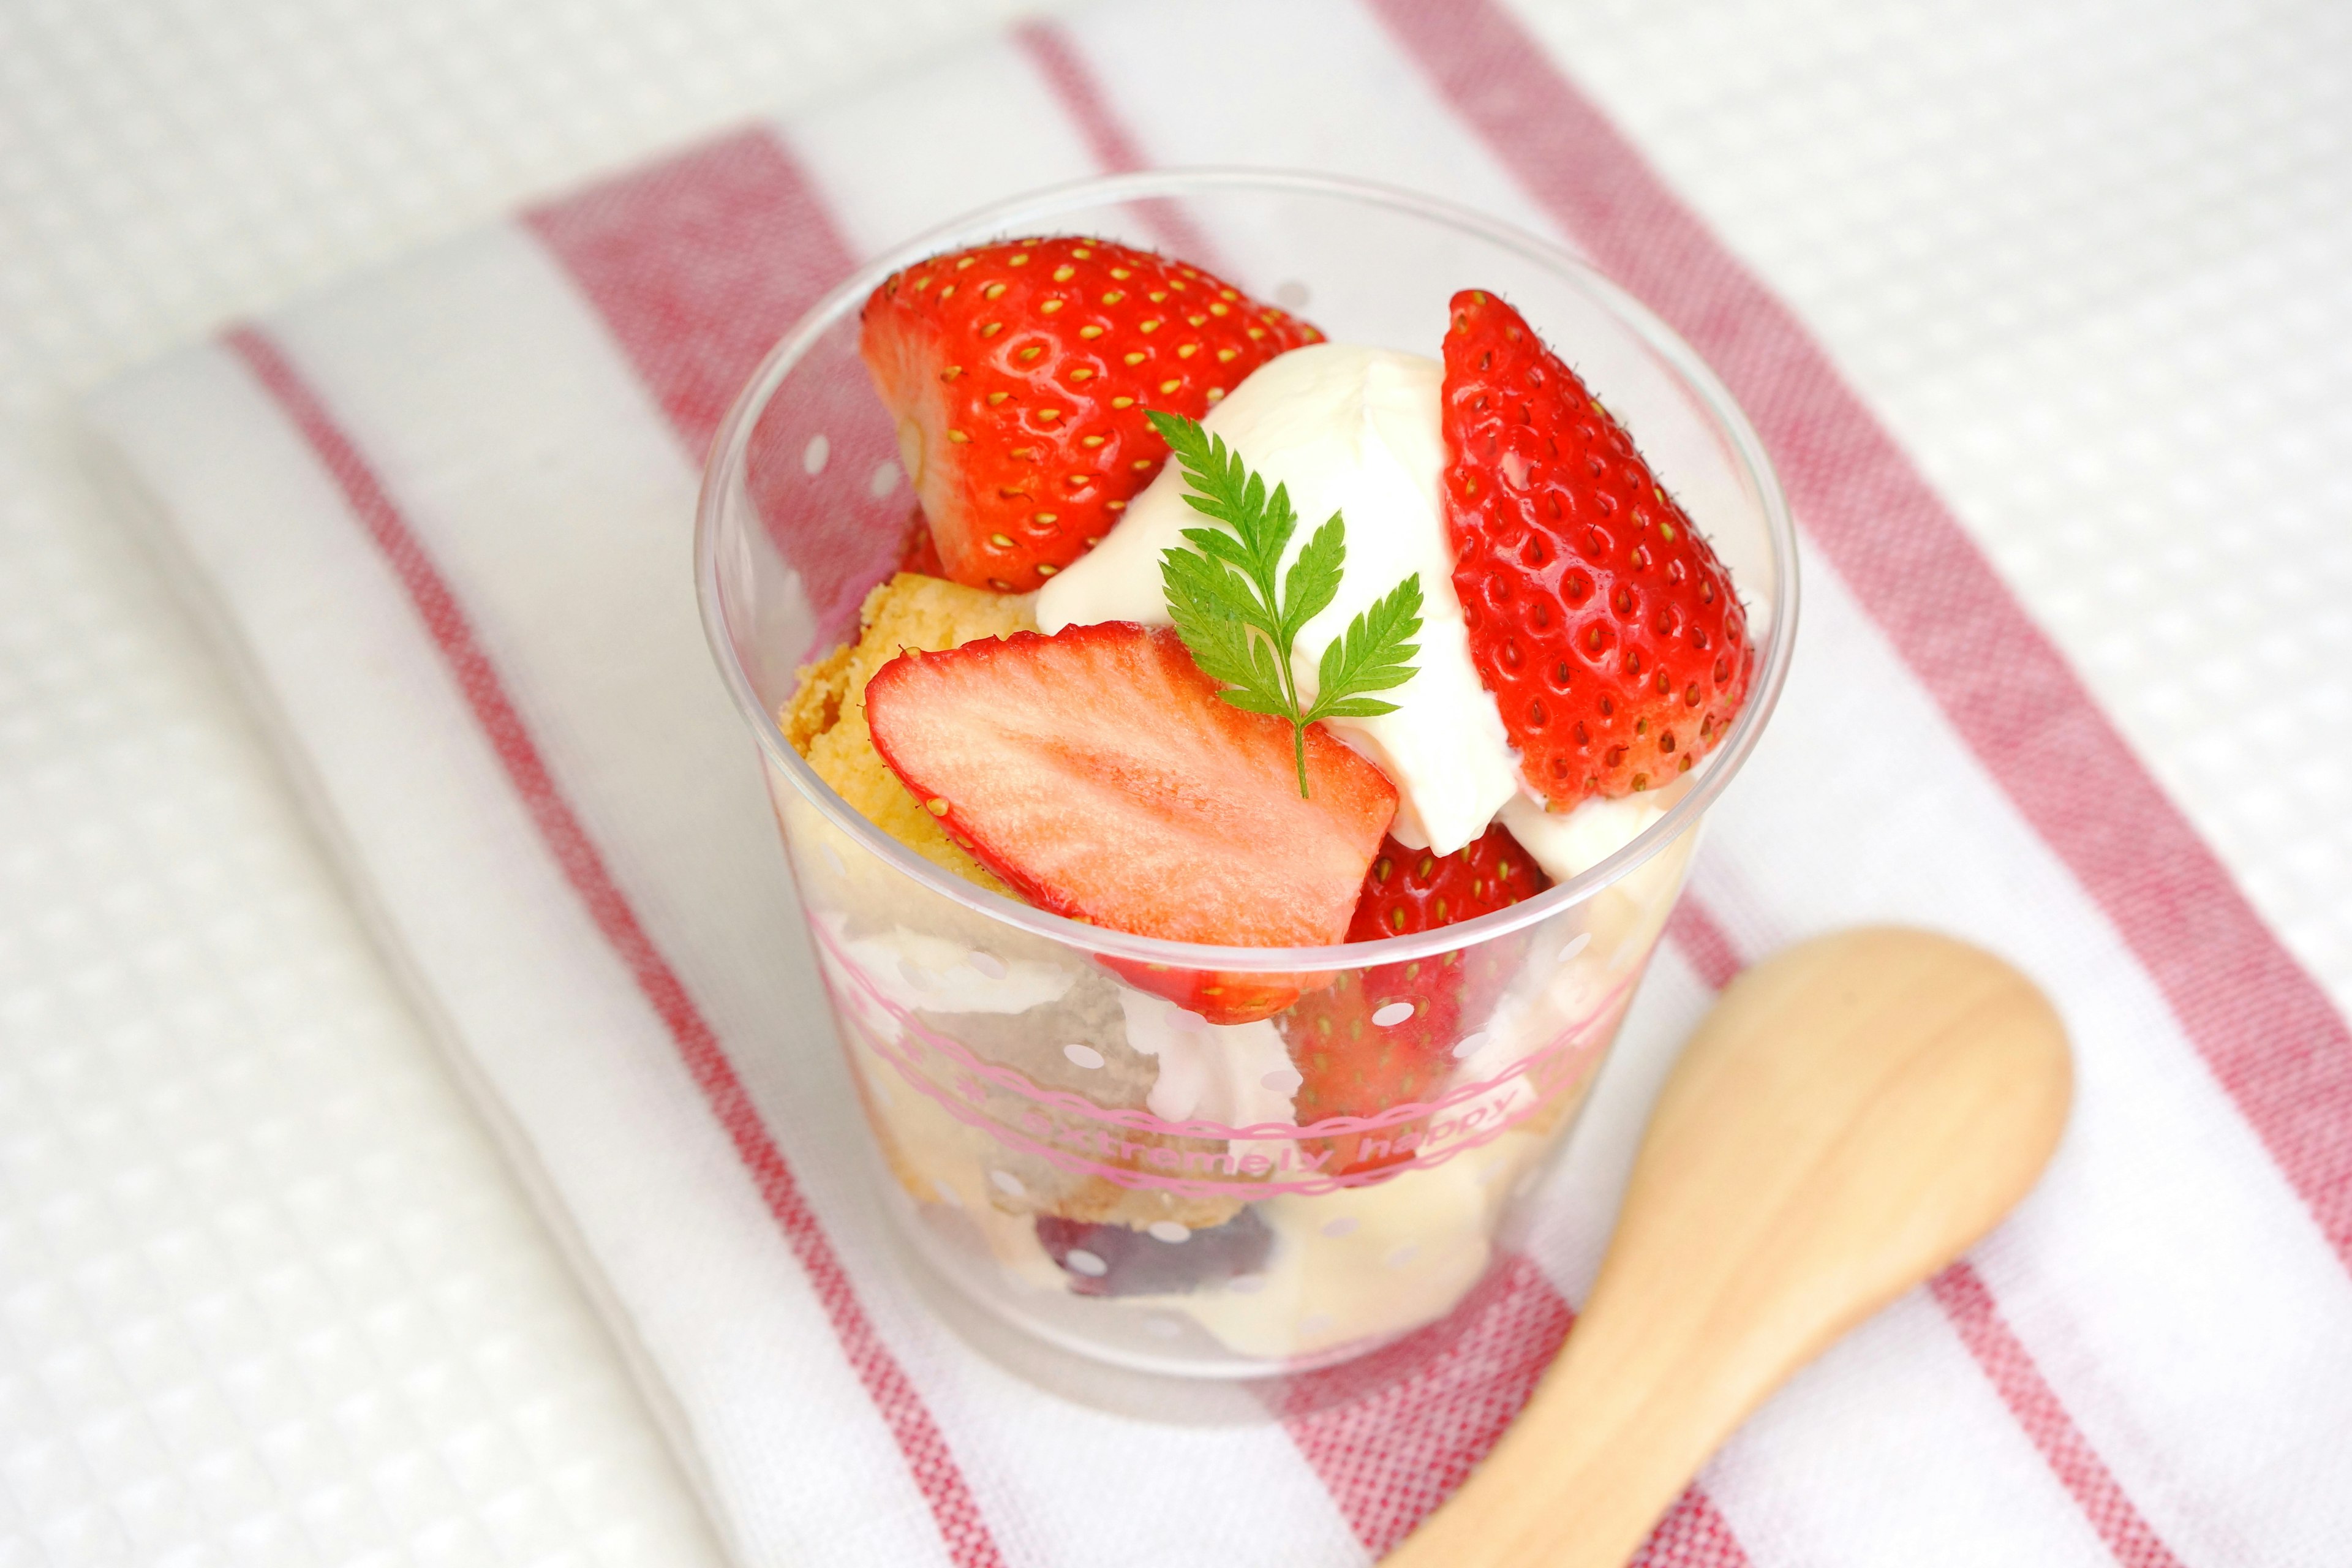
[{"x": 440, "y": 517}]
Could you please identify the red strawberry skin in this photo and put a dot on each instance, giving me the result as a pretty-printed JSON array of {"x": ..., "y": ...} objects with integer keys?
[
  {"x": 1019, "y": 374},
  {"x": 1098, "y": 772},
  {"x": 1409, "y": 890},
  {"x": 1219, "y": 996},
  {"x": 920, "y": 554},
  {"x": 1602, "y": 623},
  {"x": 1351, "y": 1066}
]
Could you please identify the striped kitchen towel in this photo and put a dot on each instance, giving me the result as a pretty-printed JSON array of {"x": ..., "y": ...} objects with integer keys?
[{"x": 440, "y": 518}]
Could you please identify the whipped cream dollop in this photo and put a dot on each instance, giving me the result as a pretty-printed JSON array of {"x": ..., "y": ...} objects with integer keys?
[
  {"x": 1569, "y": 843},
  {"x": 1353, "y": 430},
  {"x": 1237, "y": 1075},
  {"x": 921, "y": 972}
]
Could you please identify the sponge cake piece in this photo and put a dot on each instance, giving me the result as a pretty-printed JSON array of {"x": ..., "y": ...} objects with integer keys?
[{"x": 825, "y": 720}]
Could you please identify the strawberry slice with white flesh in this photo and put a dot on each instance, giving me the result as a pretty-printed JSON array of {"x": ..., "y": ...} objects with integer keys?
[{"x": 1099, "y": 773}]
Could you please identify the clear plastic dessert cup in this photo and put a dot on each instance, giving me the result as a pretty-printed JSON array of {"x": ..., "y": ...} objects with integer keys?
[{"x": 1060, "y": 1143}]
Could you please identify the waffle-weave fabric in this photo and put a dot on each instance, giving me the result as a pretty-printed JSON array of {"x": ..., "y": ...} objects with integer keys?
[{"x": 2150, "y": 1365}]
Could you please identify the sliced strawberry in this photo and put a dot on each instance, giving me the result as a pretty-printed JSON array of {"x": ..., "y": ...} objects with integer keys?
[
  {"x": 1602, "y": 623},
  {"x": 1098, "y": 772},
  {"x": 1352, "y": 1061},
  {"x": 1019, "y": 374},
  {"x": 1221, "y": 997}
]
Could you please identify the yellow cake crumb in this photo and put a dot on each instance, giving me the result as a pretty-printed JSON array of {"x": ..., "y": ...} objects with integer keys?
[
  {"x": 825, "y": 720},
  {"x": 815, "y": 705}
]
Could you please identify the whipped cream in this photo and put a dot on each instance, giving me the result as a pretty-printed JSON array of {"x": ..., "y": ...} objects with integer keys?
[
  {"x": 1238, "y": 1075},
  {"x": 1354, "y": 430},
  {"x": 921, "y": 972},
  {"x": 1565, "y": 843}
]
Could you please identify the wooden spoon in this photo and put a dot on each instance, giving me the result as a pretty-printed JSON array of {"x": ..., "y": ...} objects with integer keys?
[{"x": 1854, "y": 1113}]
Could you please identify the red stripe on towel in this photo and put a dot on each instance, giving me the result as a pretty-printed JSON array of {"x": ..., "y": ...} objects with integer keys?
[
  {"x": 698, "y": 266},
  {"x": 1393, "y": 1434},
  {"x": 1969, "y": 1302},
  {"x": 1704, "y": 943},
  {"x": 1108, "y": 138},
  {"x": 902, "y": 1409},
  {"x": 2262, "y": 1025}
]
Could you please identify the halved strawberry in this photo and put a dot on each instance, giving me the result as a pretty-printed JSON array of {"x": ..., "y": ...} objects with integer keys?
[
  {"x": 1019, "y": 374},
  {"x": 1602, "y": 623},
  {"x": 1357, "y": 1049},
  {"x": 1098, "y": 772}
]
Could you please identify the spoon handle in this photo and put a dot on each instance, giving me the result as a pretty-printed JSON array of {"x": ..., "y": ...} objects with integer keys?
[{"x": 1854, "y": 1113}]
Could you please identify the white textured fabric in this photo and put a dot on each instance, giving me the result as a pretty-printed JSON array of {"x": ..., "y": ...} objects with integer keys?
[
  {"x": 2175, "y": 1298},
  {"x": 267, "y": 1293}
]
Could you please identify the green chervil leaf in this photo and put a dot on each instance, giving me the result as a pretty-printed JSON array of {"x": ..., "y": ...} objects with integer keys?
[{"x": 1221, "y": 594}]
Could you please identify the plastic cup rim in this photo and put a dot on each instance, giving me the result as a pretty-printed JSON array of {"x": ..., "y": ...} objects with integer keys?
[{"x": 729, "y": 444}]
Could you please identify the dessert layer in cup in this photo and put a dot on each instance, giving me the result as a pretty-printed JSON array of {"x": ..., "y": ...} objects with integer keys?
[
  {"x": 1361, "y": 1262},
  {"x": 1504, "y": 1043}
]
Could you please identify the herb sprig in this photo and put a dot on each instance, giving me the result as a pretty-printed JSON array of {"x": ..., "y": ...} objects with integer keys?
[{"x": 1222, "y": 595}]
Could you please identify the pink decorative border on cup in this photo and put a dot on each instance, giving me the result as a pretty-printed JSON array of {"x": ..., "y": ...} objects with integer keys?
[{"x": 1479, "y": 1112}]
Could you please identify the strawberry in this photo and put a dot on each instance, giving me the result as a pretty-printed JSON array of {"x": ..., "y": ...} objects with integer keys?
[
  {"x": 1219, "y": 996},
  {"x": 1019, "y": 374},
  {"x": 920, "y": 554},
  {"x": 1409, "y": 890},
  {"x": 1606, "y": 629},
  {"x": 1352, "y": 1064},
  {"x": 1098, "y": 772}
]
